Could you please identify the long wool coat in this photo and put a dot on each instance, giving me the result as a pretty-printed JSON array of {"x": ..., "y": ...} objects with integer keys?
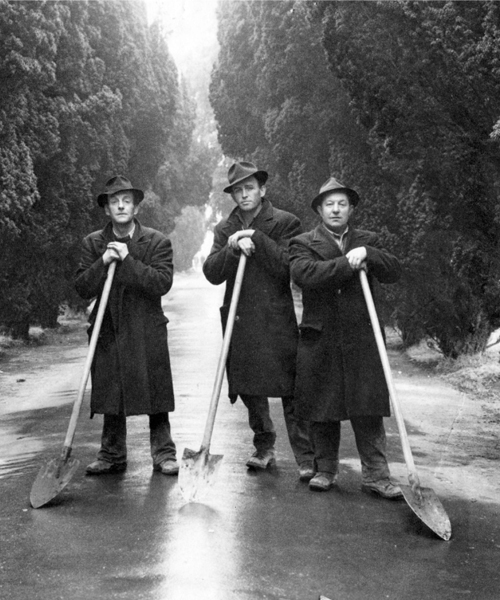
[
  {"x": 339, "y": 372},
  {"x": 261, "y": 358},
  {"x": 131, "y": 367}
]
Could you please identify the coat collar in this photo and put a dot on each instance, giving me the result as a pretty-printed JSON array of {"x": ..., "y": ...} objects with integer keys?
[
  {"x": 137, "y": 245},
  {"x": 322, "y": 242},
  {"x": 262, "y": 221}
]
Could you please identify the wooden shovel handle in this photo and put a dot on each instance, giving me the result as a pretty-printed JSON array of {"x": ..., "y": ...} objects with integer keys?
[
  {"x": 209, "y": 427},
  {"x": 68, "y": 442},
  {"x": 413, "y": 476}
]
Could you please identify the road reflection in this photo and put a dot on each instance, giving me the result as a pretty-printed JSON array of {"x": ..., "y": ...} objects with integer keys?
[{"x": 199, "y": 559}]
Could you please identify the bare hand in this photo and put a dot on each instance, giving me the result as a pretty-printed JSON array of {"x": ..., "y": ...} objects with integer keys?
[
  {"x": 115, "y": 251},
  {"x": 246, "y": 246},
  {"x": 357, "y": 258},
  {"x": 233, "y": 240}
]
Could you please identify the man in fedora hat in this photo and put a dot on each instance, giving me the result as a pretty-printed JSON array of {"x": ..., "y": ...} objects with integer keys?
[
  {"x": 339, "y": 372},
  {"x": 131, "y": 367},
  {"x": 261, "y": 361}
]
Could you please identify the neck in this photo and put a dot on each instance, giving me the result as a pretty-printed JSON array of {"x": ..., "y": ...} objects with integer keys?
[
  {"x": 249, "y": 215},
  {"x": 337, "y": 230},
  {"x": 123, "y": 230}
]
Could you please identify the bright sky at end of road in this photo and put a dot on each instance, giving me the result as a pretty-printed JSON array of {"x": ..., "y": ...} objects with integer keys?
[{"x": 190, "y": 26}]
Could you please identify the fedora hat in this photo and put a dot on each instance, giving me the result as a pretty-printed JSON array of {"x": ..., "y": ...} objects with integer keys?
[
  {"x": 332, "y": 185},
  {"x": 240, "y": 171},
  {"x": 116, "y": 184}
]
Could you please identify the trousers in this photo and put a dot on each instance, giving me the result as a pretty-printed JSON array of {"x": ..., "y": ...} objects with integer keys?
[
  {"x": 260, "y": 422},
  {"x": 370, "y": 438},
  {"x": 114, "y": 439}
]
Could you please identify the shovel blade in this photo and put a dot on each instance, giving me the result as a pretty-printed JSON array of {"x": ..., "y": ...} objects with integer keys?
[
  {"x": 197, "y": 473},
  {"x": 51, "y": 479},
  {"x": 428, "y": 508}
]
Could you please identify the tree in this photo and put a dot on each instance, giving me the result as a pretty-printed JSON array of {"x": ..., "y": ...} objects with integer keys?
[
  {"x": 87, "y": 91},
  {"x": 428, "y": 97}
]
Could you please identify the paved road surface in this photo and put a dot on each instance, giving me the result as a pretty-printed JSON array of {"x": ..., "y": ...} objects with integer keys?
[{"x": 257, "y": 536}]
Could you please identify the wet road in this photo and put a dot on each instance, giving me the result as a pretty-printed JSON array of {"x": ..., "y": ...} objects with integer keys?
[{"x": 257, "y": 536}]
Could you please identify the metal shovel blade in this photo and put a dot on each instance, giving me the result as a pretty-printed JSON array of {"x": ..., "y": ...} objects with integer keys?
[
  {"x": 51, "y": 479},
  {"x": 428, "y": 508},
  {"x": 197, "y": 473}
]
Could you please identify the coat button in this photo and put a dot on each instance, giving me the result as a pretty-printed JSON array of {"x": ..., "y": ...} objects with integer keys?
[
  {"x": 338, "y": 292},
  {"x": 236, "y": 318}
]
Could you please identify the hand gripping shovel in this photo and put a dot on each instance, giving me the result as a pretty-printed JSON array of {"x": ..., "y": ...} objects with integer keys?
[
  {"x": 199, "y": 469},
  {"x": 423, "y": 501},
  {"x": 57, "y": 473}
]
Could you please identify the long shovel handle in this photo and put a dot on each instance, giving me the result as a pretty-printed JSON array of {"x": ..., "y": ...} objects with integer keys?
[
  {"x": 209, "y": 427},
  {"x": 68, "y": 442},
  {"x": 412, "y": 471}
]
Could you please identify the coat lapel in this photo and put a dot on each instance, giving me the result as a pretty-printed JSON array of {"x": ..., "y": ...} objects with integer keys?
[
  {"x": 138, "y": 245},
  {"x": 351, "y": 239},
  {"x": 264, "y": 220},
  {"x": 323, "y": 243}
]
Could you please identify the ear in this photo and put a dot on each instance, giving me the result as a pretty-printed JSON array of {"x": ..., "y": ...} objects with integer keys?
[
  {"x": 106, "y": 209},
  {"x": 262, "y": 191},
  {"x": 136, "y": 209}
]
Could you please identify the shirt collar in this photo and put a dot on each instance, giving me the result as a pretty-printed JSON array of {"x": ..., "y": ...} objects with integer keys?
[
  {"x": 130, "y": 234},
  {"x": 338, "y": 237}
]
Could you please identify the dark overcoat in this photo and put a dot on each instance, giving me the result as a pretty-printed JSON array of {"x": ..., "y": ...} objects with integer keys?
[
  {"x": 339, "y": 372},
  {"x": 131, "y": 367},
  {"x": 263, "y": 347}
]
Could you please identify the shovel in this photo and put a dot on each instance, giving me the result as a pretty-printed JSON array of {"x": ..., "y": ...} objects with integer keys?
[
  {"x": 199, "y": 469},
  {"x": 57, "y": 473},
  {"x": 423, "y": 501}
]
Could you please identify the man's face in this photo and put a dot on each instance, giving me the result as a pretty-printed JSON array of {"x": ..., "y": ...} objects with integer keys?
[
  {"x": 248, "y": 193},
  {"x": 335, "y": 211},
  {"x": 121, "y": 208}
]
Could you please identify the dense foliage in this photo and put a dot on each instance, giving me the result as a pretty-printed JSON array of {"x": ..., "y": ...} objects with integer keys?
[
  {"x": 88, "y": 91},
  {"x": 399, "y": 99}
]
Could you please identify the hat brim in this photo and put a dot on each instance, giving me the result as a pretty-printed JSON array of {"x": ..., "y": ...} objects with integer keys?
[
  {"x": 102, "y": 199},
  {"x": 261, "y": 177},
  {"x": 351, "y": 194}
]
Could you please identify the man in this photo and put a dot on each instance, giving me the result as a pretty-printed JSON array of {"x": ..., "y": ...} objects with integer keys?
[
  {"x": 339, "y": 372},
  {"x": 131, "y": 368},
  {"x": 261, "y": 361}
]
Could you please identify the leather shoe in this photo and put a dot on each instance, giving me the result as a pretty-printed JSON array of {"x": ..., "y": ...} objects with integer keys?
[
  {"x": 103, "y": 467},
  {"x": 306, "y": 472},
  {"x": 167, "y": 467},
  {"x": 261, "y": 459},
  {"x": 384, "y": 488},
  {"x": 323, "y": 481}
]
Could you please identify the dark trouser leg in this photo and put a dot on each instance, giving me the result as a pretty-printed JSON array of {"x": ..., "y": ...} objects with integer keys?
[
  {"x": 162, "y": 444},
  {"x": 260, "y": 421},
  {"x": 298, "y": 434},
  {"x": 371, "y": 443},
  {"x": 114, "y": 439},
  {"x": 326, "y": 440}
]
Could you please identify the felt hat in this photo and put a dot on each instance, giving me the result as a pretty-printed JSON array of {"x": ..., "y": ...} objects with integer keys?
[
  {"x": 240, "y": 171},
  {"x": 116, "y": 184},
  {"x": 332, "y": 185}
]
